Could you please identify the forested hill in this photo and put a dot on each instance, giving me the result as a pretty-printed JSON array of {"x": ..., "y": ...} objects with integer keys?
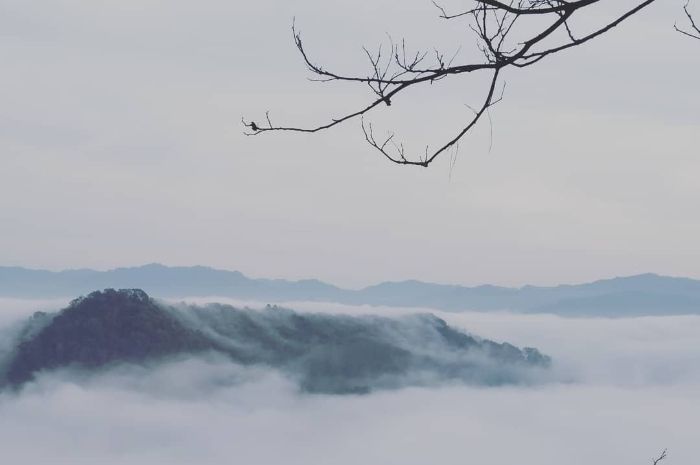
[
  {"x": 646, "y": 294},
  {"x": 322, "y": 353}
]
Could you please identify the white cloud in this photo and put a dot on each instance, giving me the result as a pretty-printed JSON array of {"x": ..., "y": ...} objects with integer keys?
[{"x": 623, "y": 408}]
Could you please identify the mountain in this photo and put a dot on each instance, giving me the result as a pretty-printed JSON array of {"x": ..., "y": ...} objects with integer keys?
[
  {"x": 322, "y": 353},
  {"x": 157, "y": 279},
  {"x": 640, "y": 295}
]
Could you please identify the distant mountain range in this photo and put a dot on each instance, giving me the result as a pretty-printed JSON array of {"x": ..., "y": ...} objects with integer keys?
[
  {"x": 335, "y": 354},
  {"x": 646, "y": 294}
]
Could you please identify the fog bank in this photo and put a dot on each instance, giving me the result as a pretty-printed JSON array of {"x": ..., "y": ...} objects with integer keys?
[{"x": 633, "y": 391}]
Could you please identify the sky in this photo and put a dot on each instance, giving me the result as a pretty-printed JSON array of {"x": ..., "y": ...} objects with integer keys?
[
  {"x": 122, "y": 145},
  {"x": 633, "y": 392}
]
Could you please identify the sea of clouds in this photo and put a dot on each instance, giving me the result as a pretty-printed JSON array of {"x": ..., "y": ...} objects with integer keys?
[{"x": 625, "y": 390}]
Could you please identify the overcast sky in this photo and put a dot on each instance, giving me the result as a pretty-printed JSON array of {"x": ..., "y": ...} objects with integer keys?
[{"x": 121, "y": 145}]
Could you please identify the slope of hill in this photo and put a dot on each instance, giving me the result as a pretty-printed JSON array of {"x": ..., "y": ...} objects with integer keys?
[{"x": 323, "y": 353}]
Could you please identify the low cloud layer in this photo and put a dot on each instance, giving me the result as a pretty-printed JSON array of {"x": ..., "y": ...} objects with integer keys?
[
  {"x": 322, "y": 353},
  {"x": 633, "y": 391}
]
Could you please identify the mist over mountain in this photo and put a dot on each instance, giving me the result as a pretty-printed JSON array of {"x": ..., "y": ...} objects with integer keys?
[
  {"x": 640, "y": 295},
  {"x": 321, "y": 353}
]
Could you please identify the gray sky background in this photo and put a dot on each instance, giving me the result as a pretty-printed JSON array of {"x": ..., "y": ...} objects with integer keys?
[{"x": 121, "y": 145}]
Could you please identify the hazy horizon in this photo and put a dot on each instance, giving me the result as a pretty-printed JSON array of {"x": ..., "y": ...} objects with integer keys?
[{"x": 272, "y": 276}]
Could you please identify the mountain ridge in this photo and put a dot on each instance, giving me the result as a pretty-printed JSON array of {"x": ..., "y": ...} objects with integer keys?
[{"x": 647, "y": 294}]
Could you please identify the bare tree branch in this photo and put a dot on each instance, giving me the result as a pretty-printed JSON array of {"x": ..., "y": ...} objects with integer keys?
[
  {"x": 694, "y": 30},
  {"x": 659, "y": 458},
  {"x": 392, "y": 70}
]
